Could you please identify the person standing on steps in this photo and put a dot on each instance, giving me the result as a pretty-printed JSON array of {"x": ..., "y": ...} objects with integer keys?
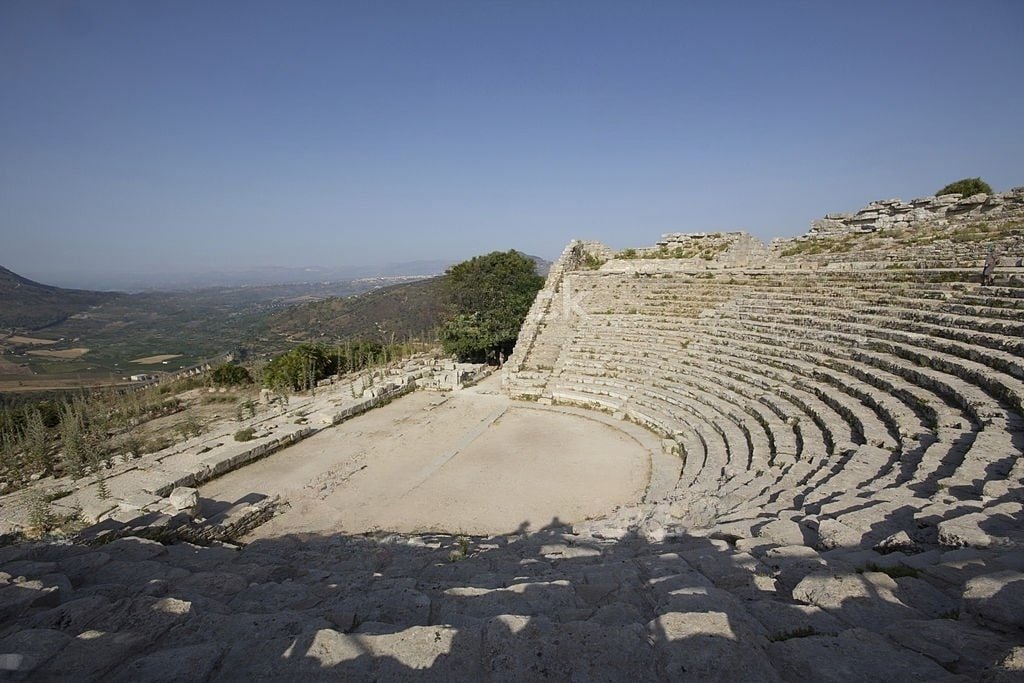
[{"x": 987, "y": 277}]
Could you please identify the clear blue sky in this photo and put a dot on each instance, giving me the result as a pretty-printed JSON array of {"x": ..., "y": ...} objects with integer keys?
[{"x": 163, "y": 135}]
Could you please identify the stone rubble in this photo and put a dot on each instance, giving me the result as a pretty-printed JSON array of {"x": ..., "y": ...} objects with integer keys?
[{"x": 923, "y": 212}]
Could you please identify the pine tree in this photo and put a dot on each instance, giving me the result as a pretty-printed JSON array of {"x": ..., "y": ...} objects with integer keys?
[
  {"x": 101, "y": 486},
  {"x": 36, "y": 440},
  {"x": 73, "y": 439}
]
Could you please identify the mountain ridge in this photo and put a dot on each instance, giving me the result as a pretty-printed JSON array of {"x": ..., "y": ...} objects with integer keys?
[{"x": 30, "y": 305}]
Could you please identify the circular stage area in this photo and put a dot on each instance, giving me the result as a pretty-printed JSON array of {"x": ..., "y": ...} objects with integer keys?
[{"x": 469, "y": 462}]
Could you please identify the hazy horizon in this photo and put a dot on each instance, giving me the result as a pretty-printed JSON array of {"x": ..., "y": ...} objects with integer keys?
[
  {"x": 189, "y": 137},
  {"x": 228, "y": 276}
]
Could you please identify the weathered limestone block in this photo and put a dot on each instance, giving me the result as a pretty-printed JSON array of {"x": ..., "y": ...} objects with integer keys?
[
  {"x": 783, "y": 620},
  {"x": 78, "y": 567},
  {"x": 398, "y": 605},
  {"x": 787, "y": 532},
  {"x": 191, "y": 662},
  {"x": 73, "y": 616},
  {"x": 961, "y": 647},
  {"x": 925, "y": 597},
  {"x": 998, "y": 526},
  {"x": 834, "y": 534},
  {"x": 517, "y": 647},
  {"x": 138, "y": 501},
  {"x": 28, "y": 568},
  {"x": 527, "y": 598},
  {"x": 854, "y": 655},
  {"x": 21, "y": 653},
  {"x": 220, "y": 585},
  {"x": 15, "y": 598},
  {"x": 792, "y": 563},
  {"x": 184, "y": 498},
  {"x": 900, "y": 541},
  {"x": 134, "y": 549},
  {"x": 133, "y": 576},
  {"x": 272, "y": 597},
  {"x": 996, "y": 597},
  {"x": 708, "y": 646},
  {"x": 867, "y": 600},
  {"x": 116, "y": 636}
]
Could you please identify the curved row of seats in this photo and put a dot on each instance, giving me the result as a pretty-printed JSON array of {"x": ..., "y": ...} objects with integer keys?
[{"x": 808, "y": 392}]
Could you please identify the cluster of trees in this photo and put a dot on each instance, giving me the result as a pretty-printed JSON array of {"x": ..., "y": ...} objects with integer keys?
[
  {"x": 489, "y": 297},
  {"x": 484, "y": 299},
  {"x": 69, "y": 436},
  {"x": 76, "y": 434},
  {"x": 229, "y": 375},
  {"x": 306, "y": 364}
]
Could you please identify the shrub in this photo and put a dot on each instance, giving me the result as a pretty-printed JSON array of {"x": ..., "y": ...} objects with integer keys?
[
  {"x": 967, "y": 187},
  {"x": 245, "y": 434},
  {"x": 189, "y": 427},
  {"x": 591, "y": 261},
  {"x": 41, "y": 517},
  {"x": 157, "y": 443},
  {"x": 230, "y": 375}
]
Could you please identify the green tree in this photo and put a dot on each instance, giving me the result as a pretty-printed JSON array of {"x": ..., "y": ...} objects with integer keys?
[
  {"x": 41, "y": 517},
  {"x": 10, "y": 445},
  {"x": 489, "y": 298},
  {"x": 966, "y": 187},
  {"x": 36, "y": 440},
  {"x": 74, "y": 440},
  {"x": 298, "y": 368}
]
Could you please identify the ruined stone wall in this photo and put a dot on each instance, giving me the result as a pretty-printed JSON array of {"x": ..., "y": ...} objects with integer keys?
[
  {"x": 923, "y": 212},
  {"x": 693, "y": 251},
  {"x": 571, "y": 258}
]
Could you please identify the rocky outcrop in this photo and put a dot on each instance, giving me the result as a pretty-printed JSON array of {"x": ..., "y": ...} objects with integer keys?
[{"x": 924, "y": 212}]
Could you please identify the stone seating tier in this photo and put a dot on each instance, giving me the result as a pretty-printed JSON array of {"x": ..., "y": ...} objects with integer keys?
[{"x": 911, "y": 364}]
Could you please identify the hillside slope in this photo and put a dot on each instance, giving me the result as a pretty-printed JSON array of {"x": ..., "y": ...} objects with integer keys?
[
  {"x": 402, "y": 311},
  {"x": 29, "y": 305},
  {"x": 405, "y": 310}
]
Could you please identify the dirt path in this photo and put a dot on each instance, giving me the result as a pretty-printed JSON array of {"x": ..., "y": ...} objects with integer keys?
[{"x": 474, "y": 462}]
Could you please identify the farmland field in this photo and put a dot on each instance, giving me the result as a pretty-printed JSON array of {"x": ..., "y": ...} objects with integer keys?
[
  {"x": 61, "y": 354},
  {"x": 111, "y": 341},
  {"x": 18, "y": 339},
  {"x": 153, "y": 360}
]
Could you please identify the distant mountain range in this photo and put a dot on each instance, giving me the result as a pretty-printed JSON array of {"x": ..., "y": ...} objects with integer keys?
[
  {"x": 248, "y": 277},
  {"x": 29, "y": 305},
  {"x": 368, "y": 307}
]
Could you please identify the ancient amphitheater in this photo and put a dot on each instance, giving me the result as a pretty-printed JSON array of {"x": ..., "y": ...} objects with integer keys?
[{"x": 834, "y": 429}]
